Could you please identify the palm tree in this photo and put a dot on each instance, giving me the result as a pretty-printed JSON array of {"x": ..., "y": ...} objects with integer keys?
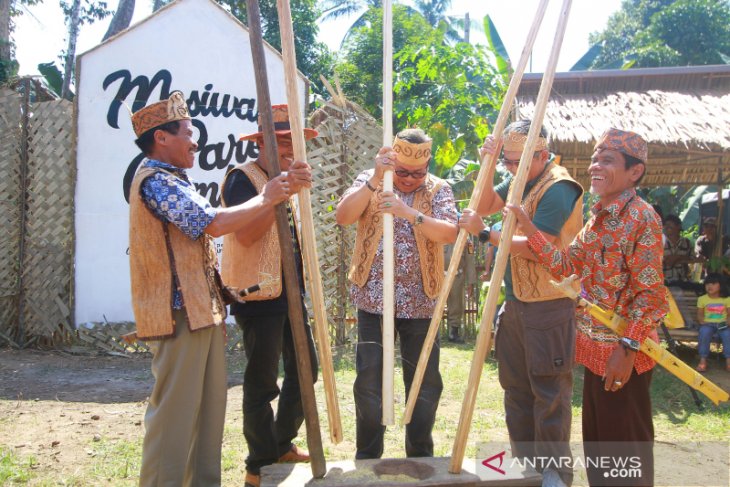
[{"x": 335, "y": 9}]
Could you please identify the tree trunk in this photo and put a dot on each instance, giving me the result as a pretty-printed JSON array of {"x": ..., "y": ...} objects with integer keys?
[
  {"x": 121, "y": 19},
  {"x": 5, "y": 45},
  {"x": 73, "y": 34}
]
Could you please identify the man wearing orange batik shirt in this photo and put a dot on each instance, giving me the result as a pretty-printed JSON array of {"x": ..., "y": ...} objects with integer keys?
[{"x": 618, "y": 256}]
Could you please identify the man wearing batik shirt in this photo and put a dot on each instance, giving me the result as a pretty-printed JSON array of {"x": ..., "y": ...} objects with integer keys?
[
  {"x": 424, "y": 220},
  {"x": 177, "y": 299},
  {"x": 618, "y": 256}
]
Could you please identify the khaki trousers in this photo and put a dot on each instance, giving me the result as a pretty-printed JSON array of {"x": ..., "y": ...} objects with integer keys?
[{"x": 186, "y": 412}]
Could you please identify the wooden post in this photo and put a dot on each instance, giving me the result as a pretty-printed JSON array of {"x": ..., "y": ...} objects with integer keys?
[
  {"x": 289, "y": 268},
  {"x": 388, "y": 250},
  {"x": 505, "y": 242},
  {"x": 23, "y": 234},
  {"x": 309, "y": 243},
  {"x": 486, "y": 164}
]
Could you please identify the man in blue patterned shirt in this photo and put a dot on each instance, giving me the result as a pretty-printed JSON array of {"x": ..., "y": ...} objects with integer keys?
[{"x": 178, "y": 299}]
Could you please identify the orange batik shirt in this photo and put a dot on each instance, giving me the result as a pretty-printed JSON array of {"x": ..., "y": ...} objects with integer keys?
[{"x": 618, "y": 256}]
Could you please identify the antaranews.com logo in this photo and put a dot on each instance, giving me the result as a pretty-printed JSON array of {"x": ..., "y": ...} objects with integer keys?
[{"x": 676, "y": 464}]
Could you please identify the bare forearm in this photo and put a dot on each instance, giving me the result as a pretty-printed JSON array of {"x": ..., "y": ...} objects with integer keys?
[
  {"x": 519, "y": 244},
  {"x": 352, "y": 206},
  {"x": 439, "y": 231},
  {"x": 489, "y": 203},
  {"x": 245, "y": 218}
]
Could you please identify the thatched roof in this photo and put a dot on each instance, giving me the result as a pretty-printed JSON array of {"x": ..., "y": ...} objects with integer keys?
[{"x": 683, "y": 112}]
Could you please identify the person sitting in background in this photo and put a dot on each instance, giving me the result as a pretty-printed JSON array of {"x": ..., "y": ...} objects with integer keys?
[
  {"x": 677, "y": 251},
  {"x": 713, "y": 318}
]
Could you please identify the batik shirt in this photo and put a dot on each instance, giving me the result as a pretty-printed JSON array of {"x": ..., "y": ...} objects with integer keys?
[
  {"x": 171, "y": 197},
  {"x": 618, "y": 256},
  {"x": 410, "y": 298}
]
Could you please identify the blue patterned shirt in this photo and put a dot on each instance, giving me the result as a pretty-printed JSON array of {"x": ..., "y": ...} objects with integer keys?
[{"x": 173, "y": 198}]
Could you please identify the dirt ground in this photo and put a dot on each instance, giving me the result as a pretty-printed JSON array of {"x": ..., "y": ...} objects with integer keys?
[
  {"x": 54, "y": 405},
  {"x": 59, "y": 407}
]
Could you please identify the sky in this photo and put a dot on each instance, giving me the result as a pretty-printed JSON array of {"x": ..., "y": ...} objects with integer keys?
[{"x": 40, "y": 34}]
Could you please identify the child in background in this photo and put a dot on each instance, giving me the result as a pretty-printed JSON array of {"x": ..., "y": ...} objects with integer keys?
[{"x": 712, "y": 314}]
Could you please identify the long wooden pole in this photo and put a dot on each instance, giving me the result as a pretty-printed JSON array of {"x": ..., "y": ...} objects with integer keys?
[
  {"x": 505, "y": 242},
  {"x": 293, "y": 293},
  {"x": 485, "y": 169},
  {"x": 309, "y": 243},
  {"x": 388, "y": 251}
]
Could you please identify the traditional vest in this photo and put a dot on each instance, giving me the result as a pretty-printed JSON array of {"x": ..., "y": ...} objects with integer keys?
[
  {"x": 160, "y": 253},
  {"x": 243, "y": 267},
  {"x": 530, "y": 280},
  {"x": 370, "y": 232}
]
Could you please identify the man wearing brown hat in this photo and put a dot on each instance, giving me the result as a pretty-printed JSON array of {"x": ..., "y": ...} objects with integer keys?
[
  {"x": 618, "y": 256},
  {"x": 535, "y": 341},
  {"x": 252, "y": 257},
  {"x": 177, "y": 298},
  {"x": 424, "y": 220}
]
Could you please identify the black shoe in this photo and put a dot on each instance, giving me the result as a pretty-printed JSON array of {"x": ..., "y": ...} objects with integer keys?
[{"x": 456, "y": 339}]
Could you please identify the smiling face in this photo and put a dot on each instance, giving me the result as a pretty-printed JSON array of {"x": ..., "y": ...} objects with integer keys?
[
  {"x": 511, "y": 160},
  {"x": 176, "y": 149},
  {"x": 284, "y": 148},
  {"x": 407, "y": 179},
  {"x": 609, "y": 175}
]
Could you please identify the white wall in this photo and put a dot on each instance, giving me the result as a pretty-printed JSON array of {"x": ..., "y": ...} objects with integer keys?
[{"x": 193, "y": 46}]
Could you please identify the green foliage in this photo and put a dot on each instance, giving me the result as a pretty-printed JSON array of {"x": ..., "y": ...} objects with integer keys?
[
  {"x": 497, "y": 46},
  {"x": 665, "y": 33},
  {"x": 313, "y": 57},
  {"x": 52, "y": 75},
  {"x": 90, "y": 11},
  {"x": 361, "y": 69},
  {"x": 451, "y": 92},
  {"x": 12, "y": 469}
]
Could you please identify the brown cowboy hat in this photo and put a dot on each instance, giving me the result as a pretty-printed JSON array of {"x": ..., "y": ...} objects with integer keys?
[{"x": 281, "y": 125}]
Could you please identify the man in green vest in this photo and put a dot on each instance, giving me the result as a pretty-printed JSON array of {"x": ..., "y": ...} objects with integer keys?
[{"x": 535, "y": 341}]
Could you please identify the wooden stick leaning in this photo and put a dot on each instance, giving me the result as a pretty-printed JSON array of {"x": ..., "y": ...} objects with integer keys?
[
  {"x": 388, "y": 250},
  {"x": 514, "y": 197},
  {"x": 485, "y": 169},
  {"x": 289, "y": 269},
  {"x": 309, "y": 244}
]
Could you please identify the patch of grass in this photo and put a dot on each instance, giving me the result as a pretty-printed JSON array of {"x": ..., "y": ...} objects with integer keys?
[
  {"x": 116, "y": 462},
  {"x": 14, "y": 469}
]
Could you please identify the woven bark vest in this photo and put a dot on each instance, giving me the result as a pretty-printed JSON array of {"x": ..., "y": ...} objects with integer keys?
[
  {"x": 530, "y": 280},
  {"x": 370, "y": 232},
  {"x": 158, "y": 253},
  {"x": 243, "y": 267}
]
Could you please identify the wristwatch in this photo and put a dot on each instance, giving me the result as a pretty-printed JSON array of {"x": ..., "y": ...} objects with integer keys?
[
  {"x": 484, "y": 235},
  {"x": 419, "y": 219},
  {"x": 630, "y": 343}
]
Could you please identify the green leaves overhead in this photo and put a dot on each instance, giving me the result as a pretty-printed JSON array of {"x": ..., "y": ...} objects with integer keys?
[{"x": 495, "y": 43}]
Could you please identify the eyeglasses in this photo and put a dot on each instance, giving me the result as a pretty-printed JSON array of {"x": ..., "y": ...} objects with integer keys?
[
  {"x": 402, "y": 173},
  {"x": 514, "y": 162}
]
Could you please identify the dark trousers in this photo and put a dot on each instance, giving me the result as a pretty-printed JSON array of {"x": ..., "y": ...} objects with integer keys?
[
  {"x": 369, "y": 380},
  {"x": 265, "y": 339},
  {"x": 618, "y": 424},
  {"x": 535, "y": 348}
]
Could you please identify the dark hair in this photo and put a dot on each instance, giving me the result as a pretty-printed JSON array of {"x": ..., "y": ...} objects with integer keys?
[
  {"x": 673, "y": 219},
  {"x": 715, "y": 278},
  {"x": 659, "y": 211},
  {"x": 523, "y": 127},
  {"x": 631, "y": 161},
  {"x": 413, "y": 135},
  {"x": 146, "y": 141}
]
